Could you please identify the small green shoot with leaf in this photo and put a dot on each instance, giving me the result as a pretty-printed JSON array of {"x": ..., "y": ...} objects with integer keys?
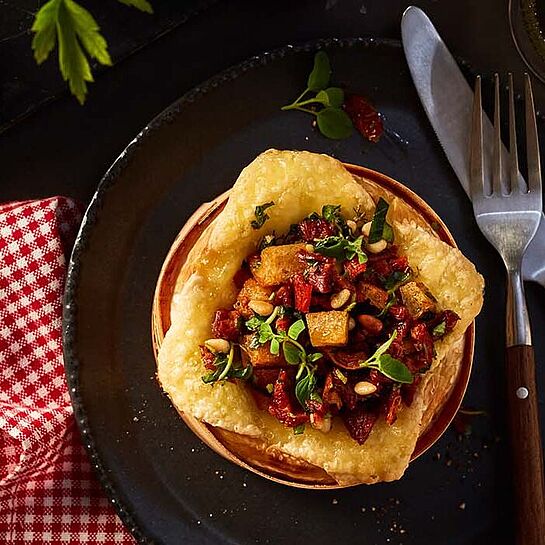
[
  {"x": 387, "y": 365},
  {"x": 332, "y": 120}
]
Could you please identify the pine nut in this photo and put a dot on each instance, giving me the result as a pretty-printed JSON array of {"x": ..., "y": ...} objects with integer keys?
[
  {"x": 263, "y": 308},
  {"x": 319, "y": 423},
  {"x": 370, "y": 323},
  {"x": 364, "y": 388},
  {"x": 218, "y": 346},
  {"x": 309, "y": 248},
  {"x": 366, "y": 229},
  {"x": 340, "y": 299},
  {"x": 377, "y": 247},
  {"x": 351, "y": 324},
  {"x": 352, "y": 226}
]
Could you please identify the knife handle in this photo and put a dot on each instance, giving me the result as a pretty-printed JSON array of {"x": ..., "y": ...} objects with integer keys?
[{"x": 526, "y": 449}]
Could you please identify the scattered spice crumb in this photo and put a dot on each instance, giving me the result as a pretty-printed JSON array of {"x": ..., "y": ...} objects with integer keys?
[
  {"x": 462, "y": 506},
  {"x": 335, "y": 501}
]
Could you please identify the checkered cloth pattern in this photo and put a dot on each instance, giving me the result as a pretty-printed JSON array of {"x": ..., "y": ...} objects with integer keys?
[{"x": 48, "y": 491}]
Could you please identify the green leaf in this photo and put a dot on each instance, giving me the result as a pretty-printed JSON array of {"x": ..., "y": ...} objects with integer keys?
[
  {"x": 340, "y": 375},
  {"x": 439, "y": 329},
  {"x": 275, "y": 347},
  {"x": 390, "y": 303},
  {"x": 379, "y": 351},
  {"x": 304, "y": 388},
  {"x": 265, "y": 332},
  {"x": 142, "y": 5},
  {"x": 341, "y": 248},
  {"x": 396, "y": 279},
  {"x": 378, "y": 225},
  {"x": 253, "y": 323},
  {"x": 335, "y": 96},
  {"x": 394, "y": 369},
  {"x": 331, "y": 212},
  {"x": 298, "y": 430},
  {"x": 260, "y": 216},
  {"x": 334, "y": 123},
  {"x": 314, "y": 357},
  {"x": 243, "y": 373},
  {"x": 318, "y": 79},
  {"x": 388, "y": 233},
  {"x": 296, "y": 329},
  {"x": 77, "y": 34},
  {"x": 292, "y": 354}
]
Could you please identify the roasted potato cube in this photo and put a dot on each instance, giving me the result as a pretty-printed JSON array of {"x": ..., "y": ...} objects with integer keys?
[
  {"x": 251, "y": 290},
  {"x": 328, "y": 328},
  {"x": 375, "y": 295},
  {"x": 261, "y": 356},
  {"x": 278, "y": 264},
  {"x": 417, "y": 299}
]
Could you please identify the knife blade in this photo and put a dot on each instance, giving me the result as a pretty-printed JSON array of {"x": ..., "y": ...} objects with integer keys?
[{"x": 447, "y": 99}]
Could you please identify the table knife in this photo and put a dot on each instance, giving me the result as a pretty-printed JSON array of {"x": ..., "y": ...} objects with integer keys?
[{"x": 448, "y": 101}]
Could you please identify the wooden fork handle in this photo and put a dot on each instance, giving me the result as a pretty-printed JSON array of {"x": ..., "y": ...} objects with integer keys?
[{"x": 526, "y": 450}]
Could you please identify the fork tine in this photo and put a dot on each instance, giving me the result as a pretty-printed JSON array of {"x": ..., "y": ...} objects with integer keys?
[
  {"x": 513, "y": 153},
  {"x": 496, "y": 157},
  {"x": 476, "y": 176},
  {"x": 532, "y": 142}
]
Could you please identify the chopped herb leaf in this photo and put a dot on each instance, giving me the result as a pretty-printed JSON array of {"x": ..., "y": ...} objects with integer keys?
[
  {"x": 395, "y": 280},
  {"x": 340, "y": 375},
  {"x": 341, "y": 248},
  {"x": 260, "y": 216},
  {"x": 305, "y": 387},
  {"x": 296, "y": 329},
  {"x": 292, "y": 354},
  {"x": 439, "y": 329},
  {"x": 318, "y": 79},
  {"x": 378, "y": 225},
  {"x": 227, "y": 368},
  {"x": 299, "y": 430},
  {"x": 390, "y": 303},
  {"x": 270, "y": 388}
]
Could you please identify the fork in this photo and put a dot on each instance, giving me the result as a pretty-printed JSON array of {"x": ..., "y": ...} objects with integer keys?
[{"x": 508, "y": 212}]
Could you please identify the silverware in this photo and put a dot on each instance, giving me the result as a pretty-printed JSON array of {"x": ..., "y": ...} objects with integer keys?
[
  {"x": 447, "y": 99},
  {"x": 508, "y": 212}
]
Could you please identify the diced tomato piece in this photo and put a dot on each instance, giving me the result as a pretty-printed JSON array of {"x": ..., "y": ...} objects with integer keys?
[
  {"x": 400, "y": 313},
  {"x": 423, "y": 342},
  {"x": 283, "y": 323},
  {"x": 303, "y": 293},
  {"x": 281, "y": 406},
  {"x": 359, "y": 422},
  {"x": 408, "y": 391},
  {"x": 208, "y": 358},
  {"x": 283, "y": 296},
  {"x": 242, "y": 275},
  {"x": 317, "y": 228},
  {"x": 354, "y": 268},
  {"x": 226, "y": 324},
  {"x": 400, "y": 264},
  {"x": 347, "y": 358},
  {"x": 322, "y": 277},
  {"x": 392, "y": 405},
  {"x": 365, "y": 117}
]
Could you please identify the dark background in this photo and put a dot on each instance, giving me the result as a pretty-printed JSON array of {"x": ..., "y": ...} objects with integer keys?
[{"x": 51, "y": 145}]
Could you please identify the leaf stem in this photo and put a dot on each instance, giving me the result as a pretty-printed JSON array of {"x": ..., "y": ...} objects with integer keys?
[{"x": 225, "y": 372}]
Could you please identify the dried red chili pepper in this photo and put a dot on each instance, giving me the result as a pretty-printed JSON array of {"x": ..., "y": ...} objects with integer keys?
[
  {"x": 226, "y": 324},
  {"x": 303, "y": 293},
  {"x": 364, "y": 116},
  {"x": 281, "y": 406},
  {"x": 316, "y": 228}
]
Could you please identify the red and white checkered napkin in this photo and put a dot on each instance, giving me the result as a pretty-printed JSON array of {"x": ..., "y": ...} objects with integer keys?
[{"x": 48, "y": 491}]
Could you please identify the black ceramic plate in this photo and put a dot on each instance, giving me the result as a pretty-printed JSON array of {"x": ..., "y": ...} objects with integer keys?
[{"x": 168, "y": 487}]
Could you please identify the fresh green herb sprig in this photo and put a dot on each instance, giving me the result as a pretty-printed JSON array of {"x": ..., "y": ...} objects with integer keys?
[
  {"x": 79, "y": 39},
  {"x": 227, "y": 368},
  {"x": 391, "y": 284},
  {"x": 331, "y": 119},
  {"x": 387, "y": 365},
  {"x": 380, "y": 229},
  {"x": 260, "y": 215},
  {"x": 341, "y": 248},
  {"x": 294, "y": 352}
]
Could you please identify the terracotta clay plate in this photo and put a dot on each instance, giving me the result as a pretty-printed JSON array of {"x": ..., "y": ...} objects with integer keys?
[
  {"x": 167, "y": 485},
  {"x": 223, "y": 442}
]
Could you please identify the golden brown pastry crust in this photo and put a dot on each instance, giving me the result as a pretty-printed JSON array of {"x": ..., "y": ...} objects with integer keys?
[{"x": 300, "y": 183}]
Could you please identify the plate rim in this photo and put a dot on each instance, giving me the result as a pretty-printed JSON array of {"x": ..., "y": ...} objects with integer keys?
[{"x": 130, "y": 519}]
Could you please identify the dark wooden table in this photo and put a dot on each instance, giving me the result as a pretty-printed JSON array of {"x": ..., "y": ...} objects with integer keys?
[{"x": 51, "y": 145}]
